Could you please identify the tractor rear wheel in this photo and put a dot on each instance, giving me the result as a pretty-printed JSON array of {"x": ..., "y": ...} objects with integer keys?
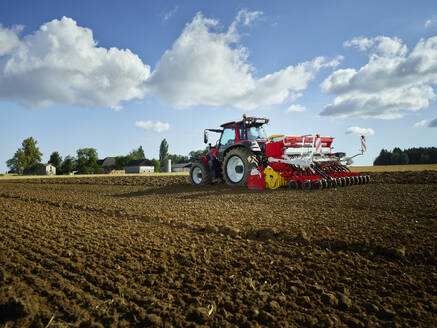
[
  {"x": 237, "y": 165},
  {"x": 199, "y": 174}
]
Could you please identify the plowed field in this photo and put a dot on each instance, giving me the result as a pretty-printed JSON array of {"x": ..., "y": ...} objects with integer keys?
[{"x": 156, "y": 251}]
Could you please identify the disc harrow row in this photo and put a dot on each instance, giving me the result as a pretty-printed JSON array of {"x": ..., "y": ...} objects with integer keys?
[
  {"x": 331, "y": 174},
  {"x": 317, "y": 182}
]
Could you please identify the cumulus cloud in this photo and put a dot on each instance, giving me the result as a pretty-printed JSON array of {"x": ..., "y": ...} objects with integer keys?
[
  {"x": 360, "y": 131},
  {"x": 154, "y": 126},
  {"x": 433, "y": 123},
  {"x": 208, "y": 66},
  {"x": 62, "y": 64},
  {"x": 419, "y": 124},
  {"x": 9, "y": 39},
  {"x": 296, "y": 108},
  {"x": 392, "y": 83}
]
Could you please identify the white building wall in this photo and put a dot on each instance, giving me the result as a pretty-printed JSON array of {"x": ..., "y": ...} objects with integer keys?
[
  {"x": 139, "y": 169},
  {"x": 147, "y": 169}
]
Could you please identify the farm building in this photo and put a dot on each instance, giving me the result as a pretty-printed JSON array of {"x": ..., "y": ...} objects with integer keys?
[
  {"x": 139, "y": 166},
  {"x": 183, "y": 167},
  {"x": 47, "y": 169},
  {"x": 107, "y": 164}
]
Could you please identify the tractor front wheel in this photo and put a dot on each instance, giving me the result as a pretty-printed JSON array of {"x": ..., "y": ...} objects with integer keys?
[
  {"x": 237, "y": 165},
  {"x": 199, "y": 174}
]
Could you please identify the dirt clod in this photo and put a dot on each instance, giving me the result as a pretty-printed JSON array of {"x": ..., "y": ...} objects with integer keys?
[
  {"x": 153, "y": 320},
  {"x": 344, "y": 301},
  {"x": 199, "y": 315},
  {"x": 329, "y": 299}
]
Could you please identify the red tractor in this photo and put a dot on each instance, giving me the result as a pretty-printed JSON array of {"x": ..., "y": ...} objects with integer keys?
[{"x": 244, "y": 154}]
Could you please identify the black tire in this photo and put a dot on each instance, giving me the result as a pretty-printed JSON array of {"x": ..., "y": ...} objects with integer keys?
[
  {"x": 293, "y": 184},
  {"x": 306, "y": 185},
  {"x": 199, "y": 174},
  {"x": 247, "y": 161},
  {"x": 317, "y": 184}
]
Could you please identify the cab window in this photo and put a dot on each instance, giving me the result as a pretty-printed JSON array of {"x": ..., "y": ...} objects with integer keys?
[{"x": 228, "y": 136}]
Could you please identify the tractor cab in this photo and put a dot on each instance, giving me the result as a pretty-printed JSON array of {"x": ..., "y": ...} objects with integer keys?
[{"x": 248, "y": 133}]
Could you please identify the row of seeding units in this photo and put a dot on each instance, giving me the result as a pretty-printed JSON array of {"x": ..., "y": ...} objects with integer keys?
[{"x": 305, "y": 162}]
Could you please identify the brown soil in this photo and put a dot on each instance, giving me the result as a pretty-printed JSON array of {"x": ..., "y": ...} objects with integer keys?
[{"x": 156, "y": 251}]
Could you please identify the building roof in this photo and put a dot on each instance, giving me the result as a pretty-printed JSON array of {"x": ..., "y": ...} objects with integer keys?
[
  {"x": 107, "y": 162},
  {"x": 140, "y": 162}
]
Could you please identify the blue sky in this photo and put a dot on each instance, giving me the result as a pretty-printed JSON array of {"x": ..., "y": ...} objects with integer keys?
[{"x": 114, "y": 75}]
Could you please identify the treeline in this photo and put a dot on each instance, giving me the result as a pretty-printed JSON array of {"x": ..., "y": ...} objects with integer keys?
[
  {"x": 192, "y": 156},
  {"x": 421, "y": 155},
  {"x": 27, "y": 159}
]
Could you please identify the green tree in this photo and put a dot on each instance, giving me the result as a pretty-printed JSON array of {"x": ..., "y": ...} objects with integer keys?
[
  {"x": 403, "y": 158},
  {"x": 26, "y": 157},
  {"x": 56, "y": 161},
  {"x": 121, "y": 161},
  {"x": 163, "y": 151},
  {"x": 16, "y": 163},
  {"x": 68, "y": 165},
  {"x": 31, "y": 152},
  {"x": 425, "y": 159},
  {"x": 384, "y": 158},
  {"x": 87, "y": 160},
  {"x": 178, "y": 159},
  {"x": 138, "y": 153},
  {"x": 157, "y": 165},
  {"x": 195, "y": 154}
]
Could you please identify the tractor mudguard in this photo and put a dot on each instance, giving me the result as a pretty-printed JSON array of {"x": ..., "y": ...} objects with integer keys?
[{"x": 205, "y": 160}]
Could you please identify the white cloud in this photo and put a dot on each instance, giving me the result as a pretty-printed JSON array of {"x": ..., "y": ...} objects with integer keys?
[
  {"x": 170, "y": 14},
  {"x": 9, "y": 39},
  {"x": 392, "y": 83},
  {"x": 360, "y": 131},
  {"x": 62, "y": 64},
  {"x": 433, "y": 123},
  {"x": 247, "y": 17},
  {"x": 210, "y": 68},
  {"x": 419, "y": 124},
  {"x": 361, "y": 43},
  {"x": 296, "y": 108},
  {"x": 430, "y": 22},
  {"x": 382, "y": 45},
  {"x": 155, "y": 126}
]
